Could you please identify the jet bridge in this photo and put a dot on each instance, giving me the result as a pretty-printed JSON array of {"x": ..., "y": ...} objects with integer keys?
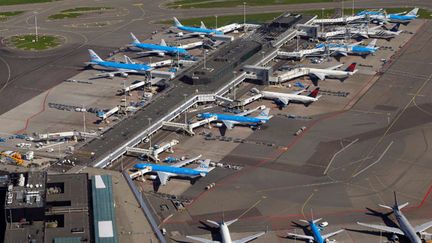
[
  {"x": 292, "y": 74},
  {"x": 153, "y": 152},
  {"x": 189, "y": 127},
  {"x": 140, "y": 172}
]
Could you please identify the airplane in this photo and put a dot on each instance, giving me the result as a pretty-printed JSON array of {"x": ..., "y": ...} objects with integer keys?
[
  {"x": 164, "y": 172},
  {"x": 195, "y": 31},
  {"x": 284, "y": 99},
  {"x": 316, "y": 233},
  {"x": 124, "y": 69},
  {"x": 366, "y": 32},
  {"x": 330, "y": 72},
  {"x": 380, "y": 17},
  {"x": 225, "y": 233},
  {"x": 350, "y": 49},
  {"x": 230, "y": 120},
  {"x": 405, "y": 228},
  {"x": 160, "y": 49}
]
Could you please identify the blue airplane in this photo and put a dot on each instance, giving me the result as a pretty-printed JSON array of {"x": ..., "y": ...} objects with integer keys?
[
  {"x": 350, "y": 49},
  {"x": 230, "y": 120},
  {"x": 316, "y": 232},
  {"x": 402, "y": 18},
  {"x": 160, "y": 50},
  {"x": 164, "y": 172},
  {"x": 195, "y": 31},
  {"x": 124, "y": 69}
]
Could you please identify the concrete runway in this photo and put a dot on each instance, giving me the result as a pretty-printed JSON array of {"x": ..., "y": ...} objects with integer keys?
[{"x": 389, "y": 132}]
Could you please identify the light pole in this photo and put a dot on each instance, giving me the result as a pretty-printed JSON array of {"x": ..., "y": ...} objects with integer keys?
[
  {"x": 216, "y": 21},
  {"x": 83, "y": 110},
  {"x": 244, "y": 13},
  {"x": 322, "y": 16},
  {"x": 36, "y": 28},
  {"x": 149, "y": 136}
]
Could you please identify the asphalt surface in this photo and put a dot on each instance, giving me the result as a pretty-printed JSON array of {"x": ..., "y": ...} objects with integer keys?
[{"x": 389, "y": 128}]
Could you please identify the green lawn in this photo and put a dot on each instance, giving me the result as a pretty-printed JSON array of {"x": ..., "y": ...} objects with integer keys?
[
  {"x": 6, "y": 15},
  {"x": 210, "y": 21},
  {"x": 28, "y": 42},
  {"x": 76, "y": 12},
  {"x": 233, "y": 3},
  {"x": 12, "y": 2}
]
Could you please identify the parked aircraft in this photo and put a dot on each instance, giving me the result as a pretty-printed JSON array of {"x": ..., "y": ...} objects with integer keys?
[
  {"x": 405, "y": 228},
  {"x": 124, "y": 69},
  {"x": 368, "y": 32},
  {"x": 164, "y": 172},
  {"x": 283, "y": 99},
  {"x": 230, "y": 120},
  {"x": 316, "y": 233},
  {"x": 225, "y": 233},
  {"x": 195, "y": 31},
  {"x": 350, "y": 49},
  {"x": 382, "y": 17},
  {"x": 330, "y": 72},
  {"x": 160, "y": 49}
]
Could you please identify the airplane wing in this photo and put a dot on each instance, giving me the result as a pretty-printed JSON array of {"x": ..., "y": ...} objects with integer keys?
[
  {"x": 228, "y": 124},
  {"x": 112, "y": 74},
  {"x": 326, "y": 236},
  {"x": 185, "y": 162},
  {"x": 423, "y": 227},
  {"x": 383, "y": 228},
  {"x": 163, "y": 177},
  {"x": 305, "y": 237},
  {"x": 147, "y": 53},
  {"x": 199, "y": 239},
  {"x": 320, "y": 76},
  {"x": 334, "y": 67},
  {"x": 249, "y": 238}
]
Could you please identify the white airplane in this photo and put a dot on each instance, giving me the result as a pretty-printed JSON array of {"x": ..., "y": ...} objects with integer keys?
[
  {"x": 405, "y": 228},
  {"x": 225, "y": 234},
  {"x": 203, "y": 30},
  {"x": 284, "y": 99},
  {"x": 373, "y": 32}
]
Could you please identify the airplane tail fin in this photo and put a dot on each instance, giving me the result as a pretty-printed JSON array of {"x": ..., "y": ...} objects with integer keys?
[
  {"x": 228, "y": 223},
  {"x": 177, "y": 22},
  {"x": 413, "y": 12},
  {"x": 316, "y": 220},
  {"x": 135, "y": 40},
  {"x": 372, "y": 44},
  {"x": 214, "y": 223},
  {"x": 163, "y": 43},
  {"x": 351, "y": 68},
  {"x": 128, "y": 60},
  {"x": 396, "y": 204},
  {"x": 94, "y": 56},
  {"x": 264, "y": 115},
  {"x": 395, "y": 28},
  {"x": 203, "y": 25},
  {"x": 314, "y": 92}
]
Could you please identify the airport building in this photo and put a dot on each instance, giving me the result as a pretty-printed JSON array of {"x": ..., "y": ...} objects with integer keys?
[{"x": 54, "y": 208}]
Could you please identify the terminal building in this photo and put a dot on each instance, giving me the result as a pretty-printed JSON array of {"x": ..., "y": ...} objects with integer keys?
[{"x": 55, "y": 208}]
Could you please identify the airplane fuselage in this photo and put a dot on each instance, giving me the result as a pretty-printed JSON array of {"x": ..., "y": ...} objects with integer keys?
[
  {"x": 291, "y": 97},
  {"x": 233, "y": 118},
  {"x": 200, "y": 30},
  {"x": 406, "y": 227},
  {"x": 316, "y": 233},
  {"x": 225, "y": 234},
  {"x": 171, "y": 169},
  {"x": 166, "y": 49},
  {"x": 140, "y": 68},
  {"x": 336, "y": 74}
]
